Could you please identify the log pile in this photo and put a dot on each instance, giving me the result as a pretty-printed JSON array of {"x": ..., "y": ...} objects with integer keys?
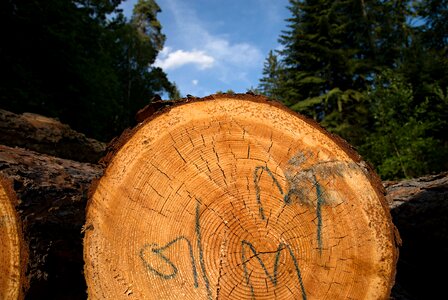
[
  {"x": 220, "y": 198},
  {"x": 52, "y": 195}
]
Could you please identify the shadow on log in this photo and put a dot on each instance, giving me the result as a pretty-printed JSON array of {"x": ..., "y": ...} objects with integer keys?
[
  {"x": 52, "y": 194},
  {"x": 49, "y": 136},
  {"x": 419, "y": 209}
]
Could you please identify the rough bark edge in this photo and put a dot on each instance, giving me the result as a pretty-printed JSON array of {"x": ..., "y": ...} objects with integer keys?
[
  {"x": 158, "y": 108},
  {"x": 7, "y": 185},
  {"x": 52, "y": 195},
  {"x": 402, "y": 191},
  {"x": 419, "y": 209},
  {"x": 48, "y": 136}
]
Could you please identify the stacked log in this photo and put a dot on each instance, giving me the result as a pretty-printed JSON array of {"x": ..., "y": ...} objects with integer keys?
[
  {"x": 50, "y": 167},
  {"x": 52, "y": 194},
  {"x": 224, "y": 197}
]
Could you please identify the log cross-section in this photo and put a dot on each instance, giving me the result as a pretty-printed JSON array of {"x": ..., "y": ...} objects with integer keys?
[
  {"x": 237, "y": 197},
  {"x": 12, "y": 248}
]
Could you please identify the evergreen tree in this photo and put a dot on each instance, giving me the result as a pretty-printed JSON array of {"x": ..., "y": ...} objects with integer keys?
[
  {"x": 80, "y": 61},
  {"x": 401, "y": 143},
  {"x": 139, "y": 42},
  {"x": 434, "y": 14},
  {"x": 332, "y": 51},
  {"x": 425, "y": 66},
  {"x": 272, "y": 70},
  {"x": 371, "y": 77}
]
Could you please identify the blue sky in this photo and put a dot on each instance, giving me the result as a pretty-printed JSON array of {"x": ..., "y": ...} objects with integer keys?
[{"x": 217, "y": 45}]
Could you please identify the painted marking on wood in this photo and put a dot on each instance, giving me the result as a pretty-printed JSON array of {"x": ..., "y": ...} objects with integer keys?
[{"x": 274, "y": 276}]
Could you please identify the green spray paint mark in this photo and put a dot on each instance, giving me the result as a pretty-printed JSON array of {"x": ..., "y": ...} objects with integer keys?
[
  {"x": 158, "y": 251},
  {"x": 201, "y": 251},
  {"x": 257, "y": 187},
  {"x": 274, "y": 276},
  {"x": 320, "y": 202}
]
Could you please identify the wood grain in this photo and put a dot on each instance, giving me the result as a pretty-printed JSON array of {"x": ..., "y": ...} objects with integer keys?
[{"x": 236, "y": 197}]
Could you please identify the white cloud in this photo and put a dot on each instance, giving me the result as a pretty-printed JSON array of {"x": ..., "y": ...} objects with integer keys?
[
  {"x": 227, "y": 57},
  {"x": 240, "y": 54},
  {"x": 202, "y": 58},
  {"x": 169, "y": 59},
  {"x": 217, "y": 52}
]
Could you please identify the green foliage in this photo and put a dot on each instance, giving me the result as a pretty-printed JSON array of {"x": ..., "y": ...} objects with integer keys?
[
  {"x": 230, "y": 92},
  {"x": 401, "y": 143},
  {"x": 80, "y": 61},
  {"x": 435, "y": 29},
  {"x": 272, "y": 70},
  {"x": 371, "y": 77}
]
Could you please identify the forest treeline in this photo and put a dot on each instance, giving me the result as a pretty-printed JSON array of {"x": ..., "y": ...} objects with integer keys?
[
  {"x": 374, "y": 72},
  {"x": 81, "y": 61}
]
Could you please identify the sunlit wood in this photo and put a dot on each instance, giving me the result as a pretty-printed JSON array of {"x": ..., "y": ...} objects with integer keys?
[
  {"x": 12, "y": 254},
  {"x": 236, "y": 197}
]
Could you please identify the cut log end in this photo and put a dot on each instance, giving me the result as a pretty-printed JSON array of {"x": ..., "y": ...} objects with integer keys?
[
  {"x": 235, "y": 197},
  {"x": 12, "y": 250}
]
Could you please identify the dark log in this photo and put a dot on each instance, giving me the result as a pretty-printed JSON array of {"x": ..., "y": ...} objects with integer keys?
[
  {"x": 49, "y": 136},
  {"x": 52, "y": 194},
  {"x": 419, "y": 209}
]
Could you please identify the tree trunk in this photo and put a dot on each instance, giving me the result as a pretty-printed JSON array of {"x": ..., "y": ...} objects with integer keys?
[
  {"x": 236, "y": 197},
  {"x": 49, "y": 136},
  {"x": 52, "y": 194},
  {"x": 12, "y": 247}
]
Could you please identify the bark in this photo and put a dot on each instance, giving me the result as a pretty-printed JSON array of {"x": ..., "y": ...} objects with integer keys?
[
  {"x": 419, "y": 208},
  {"x": 49, "y": 136},
  {"x": 152, "y": 108},
  {"x": 234, "y": 196},
  {"x": 52, "y": 194}
]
